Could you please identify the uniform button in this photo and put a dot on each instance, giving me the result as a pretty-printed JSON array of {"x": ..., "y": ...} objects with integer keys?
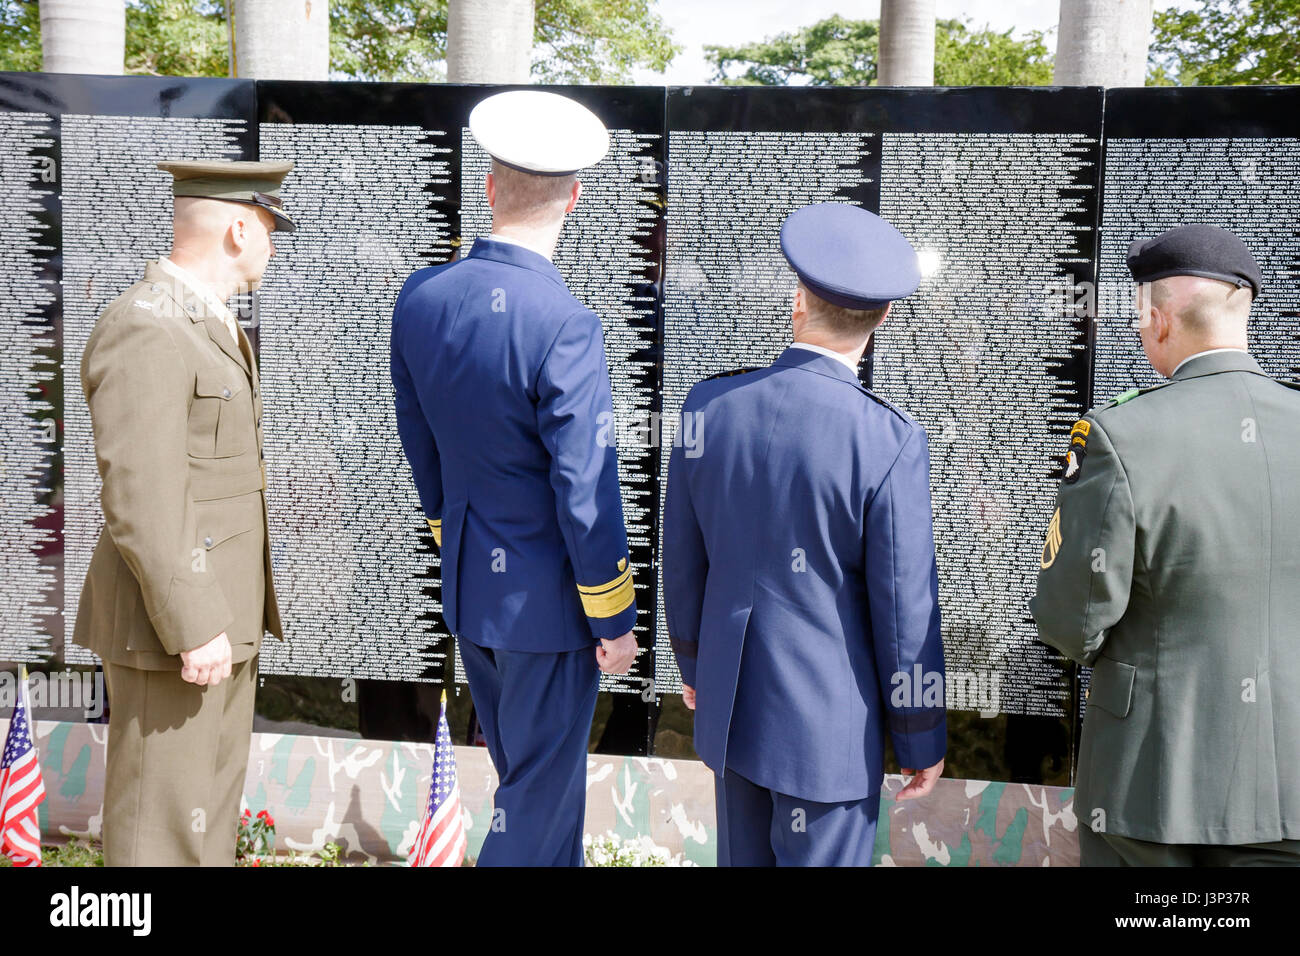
[
  {"x": 155, "y": 288},
  {"x": 207, "y": 542},
  {"x": 190, "y": 308},
  {"x": 225, "y": 392}
]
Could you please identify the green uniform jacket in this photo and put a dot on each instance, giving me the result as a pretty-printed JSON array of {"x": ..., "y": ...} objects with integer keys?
[
  {"x": 177, "y": 415},
  {"x": 1172, "y": 566}
]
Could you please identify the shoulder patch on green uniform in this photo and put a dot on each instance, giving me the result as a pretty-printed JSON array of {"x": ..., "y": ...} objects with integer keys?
[
  {"x": 734, "y": 371},
  {"x": 1077, "y": 451}
]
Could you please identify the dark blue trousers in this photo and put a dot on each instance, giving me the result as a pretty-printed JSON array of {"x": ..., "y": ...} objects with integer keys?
[
  {"x": 760, "y": 827},
  {"x": 535, "y": 710}
]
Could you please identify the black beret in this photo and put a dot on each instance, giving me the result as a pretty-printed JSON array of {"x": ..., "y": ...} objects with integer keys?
[{"x": 1195, "y": 250}]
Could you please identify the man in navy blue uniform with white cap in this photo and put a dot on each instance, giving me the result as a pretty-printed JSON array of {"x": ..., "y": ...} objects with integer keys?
[
  {"x": 501, "y": 392},
  {"x": 800, "y": 583}
]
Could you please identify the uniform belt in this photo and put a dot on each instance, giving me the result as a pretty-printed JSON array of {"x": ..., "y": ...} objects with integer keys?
[{"x": 227, "y": 486}]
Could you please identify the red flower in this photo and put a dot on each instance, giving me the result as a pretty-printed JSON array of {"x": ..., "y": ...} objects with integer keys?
[
  {"x": 255, "y": 863},
  {"x": 262, "y": 815},
  {"x": 247, "y": 813},
  {"x": 270, "y": 821}
]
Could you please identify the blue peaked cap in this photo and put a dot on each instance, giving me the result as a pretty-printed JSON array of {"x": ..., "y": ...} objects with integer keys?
[{"x": 848, "y": 256}]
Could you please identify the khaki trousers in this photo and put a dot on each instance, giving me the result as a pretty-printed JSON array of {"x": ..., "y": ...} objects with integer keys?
[{"x": 177, "y": 756}]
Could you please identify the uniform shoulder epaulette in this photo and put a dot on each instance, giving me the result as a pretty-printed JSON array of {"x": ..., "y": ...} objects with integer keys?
[
  {"x": 880, "y": 401},
  {"x": 1288, "y": 383},
  {"x": 151, "y": 297},
  {"x": 734, "y": 371},
  {"x": 1124, "y": 398}
]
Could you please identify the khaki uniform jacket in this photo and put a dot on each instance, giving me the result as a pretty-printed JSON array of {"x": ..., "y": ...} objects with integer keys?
[
  {"x": 1172, "y": 567},
  {"x": 177, "y": 415}
]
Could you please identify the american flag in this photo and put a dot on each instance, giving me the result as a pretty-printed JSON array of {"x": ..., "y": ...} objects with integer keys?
[
  {"x": 21, "y": 788},
  {"x": 441, "y": 840}
]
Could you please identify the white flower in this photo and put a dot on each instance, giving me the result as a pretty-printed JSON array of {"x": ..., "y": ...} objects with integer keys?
[{"x": 609, "y": 849}]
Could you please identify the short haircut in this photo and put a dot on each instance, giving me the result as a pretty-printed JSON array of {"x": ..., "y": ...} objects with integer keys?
[
  {"x": 838, "y": 320},
  {"x": 527, "y": 197},
  {"x": 1211, "y": 303}
]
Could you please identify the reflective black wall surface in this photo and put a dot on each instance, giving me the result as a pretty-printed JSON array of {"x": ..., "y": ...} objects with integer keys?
[{"x": 1017, "y": 203}]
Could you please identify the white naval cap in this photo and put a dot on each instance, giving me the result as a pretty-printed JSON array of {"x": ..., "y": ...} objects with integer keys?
[{"x": 538, "y": 132}]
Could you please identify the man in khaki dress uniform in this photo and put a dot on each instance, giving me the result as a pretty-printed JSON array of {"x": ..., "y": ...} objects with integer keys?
[
  {"x": 179, "y": 590},
  {"x": 1171, "y": 568}
]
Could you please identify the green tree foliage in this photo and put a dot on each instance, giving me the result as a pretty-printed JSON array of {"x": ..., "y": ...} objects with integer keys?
[
  {"x": 176, "y": 37},
  {"x": 577, "y": 41},
  {"x": 831, "y": 52},
  {"x": 598, "y": 41},
  {"x": 841, "y": 52},
  {"x": 395, "y": 40},
  {"x": 1226, "y": 43},
  {"x": 966, "y": 57},
  {"x": 20, "y": 35}
]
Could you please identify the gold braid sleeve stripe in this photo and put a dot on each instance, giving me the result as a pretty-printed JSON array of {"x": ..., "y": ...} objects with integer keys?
[
  {"x": 608, "y": 585},
  {"x": 435, "y": 525},
  {"x": 606, "y": 600}
]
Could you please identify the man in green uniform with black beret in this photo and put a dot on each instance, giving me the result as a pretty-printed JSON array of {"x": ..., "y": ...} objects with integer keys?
[
  {"x": 179, "y": 592},
  {"x": 1172, "y": 568}
]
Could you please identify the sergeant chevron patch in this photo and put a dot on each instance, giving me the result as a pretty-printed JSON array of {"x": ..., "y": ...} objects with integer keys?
[{"x": 1052, "y": 547}]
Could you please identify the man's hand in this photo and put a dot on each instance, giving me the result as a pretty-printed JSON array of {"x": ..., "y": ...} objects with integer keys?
[
  {"x": 209, "y": 664},
  {"x": 922, "y": 783},
  {"x": 688, "y": 697},
  {"x": 616, "y": 656}
]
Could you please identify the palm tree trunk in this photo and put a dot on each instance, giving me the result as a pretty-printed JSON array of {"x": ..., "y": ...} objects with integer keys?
[
  {"x": 282, "y": 39},
  {"x": 1103, "y": 42},
  {"x": 83, "y": 36},
  {"x": 906, "y": 43},
  {"x": 489, "y": 41}
]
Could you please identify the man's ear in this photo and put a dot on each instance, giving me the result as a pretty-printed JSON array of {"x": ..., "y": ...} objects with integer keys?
[
  {"x": 1147, "y": 312},
  {"x": 236, "y": 234},
  {"x": 798, "y": 309},
  {"x": 490, "y": 185},
  {"x": 573, "y": 197},
  {"x": 889, "y": 307},
  {"x": 1162, "y": 324}
]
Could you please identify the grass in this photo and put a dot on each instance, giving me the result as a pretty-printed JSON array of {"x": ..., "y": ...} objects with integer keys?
[
  {"x": 77, "y": 852},
  {"x": 73, "y": 853}
]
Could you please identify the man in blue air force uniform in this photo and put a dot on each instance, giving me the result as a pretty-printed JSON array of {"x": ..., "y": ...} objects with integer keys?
[
  {"x": 799, "y": 571},
  {"x": 501, "y": 391}
]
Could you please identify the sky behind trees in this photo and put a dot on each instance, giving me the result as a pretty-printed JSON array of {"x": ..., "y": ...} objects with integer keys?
[{"x": 731, "y": 22}]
